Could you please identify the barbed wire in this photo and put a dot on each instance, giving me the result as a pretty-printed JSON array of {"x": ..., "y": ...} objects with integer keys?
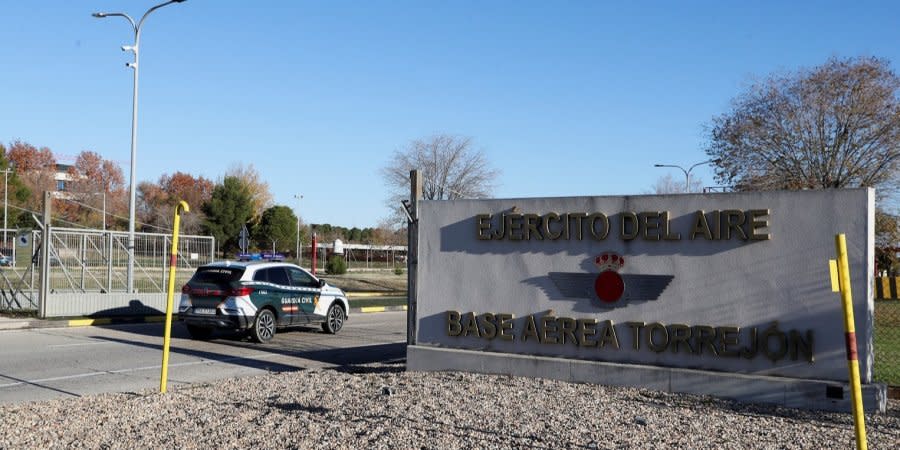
[
  {"x": 58, "y": 219},
  {"x": 113, "y": 215}
]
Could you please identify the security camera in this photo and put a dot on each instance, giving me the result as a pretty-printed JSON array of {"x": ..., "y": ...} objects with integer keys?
[
  {"x": 131, "y": 64},
  {"x": 127, "y": 48}
]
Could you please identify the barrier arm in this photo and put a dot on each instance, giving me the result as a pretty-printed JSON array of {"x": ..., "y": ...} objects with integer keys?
[
  {"x": 840, "y": 281},
  {"x": 182, "y": 207}
]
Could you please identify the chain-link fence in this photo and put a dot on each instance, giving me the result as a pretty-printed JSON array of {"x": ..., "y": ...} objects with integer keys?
[
  {"x": 97, "y": 261},
  {"x": 887, "y": 330},
  {"x": 94, "y": 261}
]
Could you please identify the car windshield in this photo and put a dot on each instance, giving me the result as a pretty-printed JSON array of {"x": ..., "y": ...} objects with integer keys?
[{"x": 219, "y": 276}]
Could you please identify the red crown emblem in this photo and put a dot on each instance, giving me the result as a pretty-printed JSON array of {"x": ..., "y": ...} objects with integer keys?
[
  {"x": 609, "y": 285},
  {"x": 609, "y": 261}
]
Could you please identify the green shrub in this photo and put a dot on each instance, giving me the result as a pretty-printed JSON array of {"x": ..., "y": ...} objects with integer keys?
[
  {"x": 398, "y": 270},
  {"x": 336, "y": 265}
]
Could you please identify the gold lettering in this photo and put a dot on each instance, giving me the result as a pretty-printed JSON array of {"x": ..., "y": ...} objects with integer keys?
[
  {"x": 506, "y": 324},
  {"x": 453, "y": 325},
  {"x": 500, "y": 233},
  {"x": 705, "y": 336},
  {"x": 608, "y": 336},
  {"x": 567, "y": 328},
  {"x": 667, "y": 232},
  {"x": 469, "y": 324},
  {"x": 632, "y": 219},
  {"x": 488, "y": 329},
  {"x": 532, "y": 222},
  {"x": 604, "y": 221},
  {"x": 514, "y": 224},
  {"x": 734, "y": 219},
  {"x": 701, "y": 226},
  {"x": 579, "y": 226},
  {"x": 635, "y": 334},
  {"x": 798, "y": 344},
  {"x": 484, "y": 225},
  {"x": 660, "y": 345},
  {"x": 548, "y": 330},
  {"x": 584, "y": 330},
  {"x": 530, "y": 329},
  {"x": 680, "y": 334},
  {"x": 551, "y": 217},
  {"x": 728, "y": 336},
  {"x": 758, "y": 219},
  {"x": 650, "y": 225}
]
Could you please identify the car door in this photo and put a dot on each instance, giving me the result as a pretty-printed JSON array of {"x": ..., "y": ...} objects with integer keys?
[
  {"x": 275, "y": 291},
  {"x": 307, "y": 289}
]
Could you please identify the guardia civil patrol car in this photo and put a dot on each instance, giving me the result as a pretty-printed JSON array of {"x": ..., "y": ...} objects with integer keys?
[{"x": 259, "y": 296}]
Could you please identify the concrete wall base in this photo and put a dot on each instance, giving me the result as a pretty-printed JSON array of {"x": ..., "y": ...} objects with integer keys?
[{"x": 787, "y": 392}]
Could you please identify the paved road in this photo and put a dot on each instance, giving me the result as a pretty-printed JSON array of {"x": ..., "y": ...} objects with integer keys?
[{"x": 40, "y": 364}]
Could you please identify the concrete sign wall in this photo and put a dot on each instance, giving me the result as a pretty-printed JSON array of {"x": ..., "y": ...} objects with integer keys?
[{"x": 734, "y": 283}]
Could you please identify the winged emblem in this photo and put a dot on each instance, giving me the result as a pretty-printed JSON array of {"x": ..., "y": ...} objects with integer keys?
[{"x": 609, "y": 286}]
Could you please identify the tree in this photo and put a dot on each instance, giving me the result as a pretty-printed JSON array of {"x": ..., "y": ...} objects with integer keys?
[
  {"x": 18, "y": 193},
  {"x": 887, "y": 241},
  {"x": 260, "y": 196},
  {"x": 228, "y": 209},
  {"x": 36, "y": 168},
  {"x": 277, "y": 223},
  {"x": 668, "y": 185},
  {"x": 157, "y": 200},
  {"x": 93, "y": 180},
  {"x": 450, "y": 166},
  {"x": 836, "y": 125}
]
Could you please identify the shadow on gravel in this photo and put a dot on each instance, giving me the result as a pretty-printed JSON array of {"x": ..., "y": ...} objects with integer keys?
[
  {"x": 346, "y": 359},
  {"x": 19, "y": 381},
  {"x": 294, "y": 406}
]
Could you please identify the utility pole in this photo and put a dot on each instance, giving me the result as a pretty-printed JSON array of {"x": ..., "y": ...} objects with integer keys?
[
  {"x": 299, "y": 256},
  {"x": 6, "y": 173}
]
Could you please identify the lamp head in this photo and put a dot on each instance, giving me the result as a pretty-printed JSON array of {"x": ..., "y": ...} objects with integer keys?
[{"x": 99, "y": 15}]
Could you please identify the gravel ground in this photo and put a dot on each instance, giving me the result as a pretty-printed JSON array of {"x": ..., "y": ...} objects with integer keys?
[{"x": 382, "y": 406}]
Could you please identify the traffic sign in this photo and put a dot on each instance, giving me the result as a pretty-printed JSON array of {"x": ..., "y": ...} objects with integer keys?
[{"x": 244, "y": 239}]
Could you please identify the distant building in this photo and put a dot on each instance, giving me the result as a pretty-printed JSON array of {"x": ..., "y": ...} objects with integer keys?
[{"x": 62, "y": 177}]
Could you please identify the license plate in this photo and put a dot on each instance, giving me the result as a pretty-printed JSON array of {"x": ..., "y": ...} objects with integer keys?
[{"x": 210, "y": 311}]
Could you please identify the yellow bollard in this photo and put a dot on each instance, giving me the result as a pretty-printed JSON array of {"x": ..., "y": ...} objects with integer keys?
[
  {"x": 843, "y": 272},
  {"x": 170, "y": 296}
]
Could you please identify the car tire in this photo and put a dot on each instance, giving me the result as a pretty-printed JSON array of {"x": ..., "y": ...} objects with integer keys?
[
  {"x": 199, "y": 333},
  {"x": 334, "y": 319},
  {"x": 263, "y": 329}
]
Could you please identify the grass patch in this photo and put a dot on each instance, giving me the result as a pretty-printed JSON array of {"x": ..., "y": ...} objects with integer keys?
[
  {"x": 887, "y": 342},
  {"x": 378, "y": 301}
]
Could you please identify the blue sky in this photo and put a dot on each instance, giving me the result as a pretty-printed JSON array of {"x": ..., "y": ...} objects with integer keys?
[{"x": 565, "y": 97}]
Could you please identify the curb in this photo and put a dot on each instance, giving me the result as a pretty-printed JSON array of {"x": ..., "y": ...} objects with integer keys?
[
  {"x": 376, "y": 294},
  {"x": 377, "y": 309},
  {"x": 89, "y": 322}
]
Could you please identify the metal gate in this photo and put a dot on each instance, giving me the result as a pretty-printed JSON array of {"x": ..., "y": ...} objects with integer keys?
[{"x": 95, "y": 262}]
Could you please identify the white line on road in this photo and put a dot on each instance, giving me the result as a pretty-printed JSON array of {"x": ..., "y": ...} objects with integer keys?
[
  {"x": 137, "y": 369},
  {"x": 80, "y": 344}
]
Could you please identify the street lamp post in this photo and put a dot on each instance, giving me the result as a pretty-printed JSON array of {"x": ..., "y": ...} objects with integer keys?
[
  {"x": 687, "y": 173},
  {"x": 6, "y": 173},
  {"x": 134, "y": 110},
  {"x": 299, "y": 258}
]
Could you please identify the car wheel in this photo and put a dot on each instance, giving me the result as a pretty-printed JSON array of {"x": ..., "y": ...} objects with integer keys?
[
  {"x": 334, "y": 319},
  {"x": 199, "y": 333},
  {"x": 264, "y": 326}
]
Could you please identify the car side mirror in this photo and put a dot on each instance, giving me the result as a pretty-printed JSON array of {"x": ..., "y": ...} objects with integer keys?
[{"x": 322, "y": 283}]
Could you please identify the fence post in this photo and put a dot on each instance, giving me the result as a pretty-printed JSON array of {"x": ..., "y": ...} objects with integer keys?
[
  {"x": 109, "y": 252},
  {"x": 82, "y": 258},
  {"x": 46, "y": 241},
  {"x": 412, "y": 256}
]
